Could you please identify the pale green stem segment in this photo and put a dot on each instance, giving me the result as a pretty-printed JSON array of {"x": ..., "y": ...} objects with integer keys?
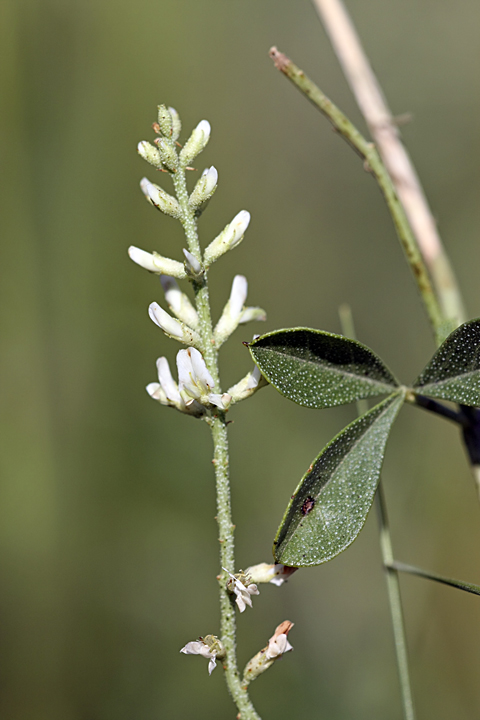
[
  {"x": 373, "y": 163},
  {"x": 218, "y": 428},
  {"x": 393, "y": 587},
  {"x": 395, "y": 601}
]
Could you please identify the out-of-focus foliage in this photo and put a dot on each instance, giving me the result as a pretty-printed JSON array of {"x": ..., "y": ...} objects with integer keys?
[{"x": 108, "y": 549}]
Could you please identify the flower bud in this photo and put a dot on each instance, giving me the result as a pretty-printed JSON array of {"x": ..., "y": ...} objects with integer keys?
[
  {"x": 252, "y": 314},
  {"x": 161, "y": 199},
  {"x": 204, "y": 189},
  {"x": 277, "y": 646},
  {"x": 149, "y": 153},
  {"x": 192, "y": 265},
  {"x": 155, "y": 263},
  {"x": 246, "y": 387},
  {"x": 229, "y": 238},
  {"x": 176, "y": 123},
  {"x": 171, "y": 327},
  {"x": 167, "y": 153},
  {"x": 165, "y": 121},
  {"x": 178, "y": 302},
  {"x": 269, "y": 573},
  {"x": 195, "y": 143}
]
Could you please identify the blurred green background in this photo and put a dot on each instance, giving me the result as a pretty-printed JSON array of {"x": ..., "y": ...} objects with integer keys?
[{"x": 108, "y": 549}]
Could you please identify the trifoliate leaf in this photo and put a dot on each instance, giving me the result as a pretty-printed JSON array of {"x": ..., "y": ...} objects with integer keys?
[
  {"x": 318, "y": 369},
  {"x": 454, "y": 371},
  {"x": 331, "y": 503}
]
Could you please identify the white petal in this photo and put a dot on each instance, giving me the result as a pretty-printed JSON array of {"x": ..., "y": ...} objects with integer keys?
[
  {"x": 222, "y": 401},
  {"x": 238, "y": 295},
  {"x": 156, "y": 392},
  {"x": 202, "y": 377},
  {"x": 167, "y": 382},
  {"x": 255, "y": 376},
  {"x": 165, "y": 321},
  {"x": 196, "y": 648},
  {"x": 278, "y": 646},
  {"x": 142, "y": 258},
  {"x": 238, "y": 226},
  {"x": 241, "y": 603},
  {"x": 145, "y": 186},
  {"x": 211, "y": 175},
  {"x": 204, "y": 127},
  {"x": 173, "y": 294},
  {"x": 192, "y": 263},
  {"x": 185, "y": 371},
  {"x": 212, "y": 665}
]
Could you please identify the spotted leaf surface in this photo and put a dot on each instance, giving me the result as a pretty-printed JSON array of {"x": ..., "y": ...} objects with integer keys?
[
  {"x": 454, "y": 371},
  {"x": 331, "y": 503},
  {"x": 318, "y": 369}
]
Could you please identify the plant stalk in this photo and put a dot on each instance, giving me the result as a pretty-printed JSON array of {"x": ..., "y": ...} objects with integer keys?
[
  {"x": 395, "y": 601},
  {"x": 373, "y": 163},
  {"x": 384, "y": 130},
  {"x": 220, "y": 462},
  {"x": 393, "y": 587}
]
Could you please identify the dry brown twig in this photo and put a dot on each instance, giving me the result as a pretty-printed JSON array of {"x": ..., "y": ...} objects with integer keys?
[{"x": 385, "y": 133}]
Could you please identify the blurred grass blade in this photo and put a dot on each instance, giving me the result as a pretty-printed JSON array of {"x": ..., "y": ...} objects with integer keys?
[
  {"x": 318, "y": 369},
  {"x": 454, "y": 371},
  {"x": 332, "y": 501},
  {"x": 460, "y": 584}
]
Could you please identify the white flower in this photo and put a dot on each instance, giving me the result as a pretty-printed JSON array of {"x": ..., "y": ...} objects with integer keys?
[
  {"x": 161, "y": 199},
  {"x": 229, "y": 238},
  {"x": 277, "y": 646},
  {"x": 208, "y": 647},
  {"x": 269, "y": 573},
  {"x": 196, "y": 142},
  {"x": 243, "y": 592},
  {"x": 195, "y": 381},
  {"x": 157, "y": 263},
  {"x": 204, "y": 189},
  {"x": 176, "y": 123},
  {"x": 278, "y": 643},
  {"x": 248, "y": 385},
  {"x": 149, "y": 153},
  {"x": 178, "y": 302},
  {"x": 170, "y": 326},
  {"x": 167, "y": 393},
  {"x": 193, "y": 393}
]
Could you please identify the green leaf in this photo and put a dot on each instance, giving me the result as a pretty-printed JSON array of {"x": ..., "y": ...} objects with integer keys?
[
  {"x": 454, "y": 371},
  {"x": 331, "y": 503},
  {"x": 318, "y": 369}
]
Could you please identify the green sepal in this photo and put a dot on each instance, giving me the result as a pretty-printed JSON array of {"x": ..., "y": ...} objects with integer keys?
[
  {"x": 319, "y": 369},
  {"x": 332, "y": 501},
  {"x": 454, "y": 371}
]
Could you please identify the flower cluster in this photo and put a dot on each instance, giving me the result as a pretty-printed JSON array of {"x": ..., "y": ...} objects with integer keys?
[
  {"x": 197, "y": 391},
  {"x": 193, "y": 394}
]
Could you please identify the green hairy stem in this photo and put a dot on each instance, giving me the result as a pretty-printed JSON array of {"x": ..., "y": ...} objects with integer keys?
[{"x": 218, "y": 428}]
